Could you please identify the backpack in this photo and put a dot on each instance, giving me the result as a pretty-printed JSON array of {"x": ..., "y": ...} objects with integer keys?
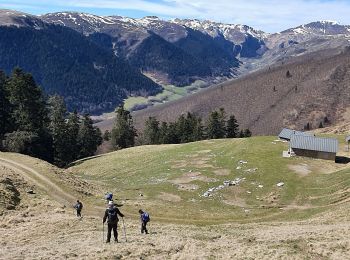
[
  {"x": 112, "y": 215},
  {"x": 79, "y": 206},
  {"x": 109, "y": 196},
  {"x": 145, "y": 217}
]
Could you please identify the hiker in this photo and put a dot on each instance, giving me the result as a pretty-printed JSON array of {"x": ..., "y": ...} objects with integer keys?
[
  {"x": 109, "y": 196},
  {"x": 78, "y": 207},
  {"x": 144, "y": 217},
  {"x": 111, "y": 214}
]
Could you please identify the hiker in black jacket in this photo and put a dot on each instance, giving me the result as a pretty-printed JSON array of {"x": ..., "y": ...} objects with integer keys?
[
  {"x": 78, "y": 207},
  {"x": 111, "y": 214}
]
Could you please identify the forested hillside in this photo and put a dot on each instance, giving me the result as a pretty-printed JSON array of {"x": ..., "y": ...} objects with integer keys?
[
  {"x": 308, "y": 92},
  {"x": 64, "y": 62}
]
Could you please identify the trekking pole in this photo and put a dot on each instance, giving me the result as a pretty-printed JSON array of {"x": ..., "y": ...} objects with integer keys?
[
  {"x": 124, "y": 230},
  {"x": 103, "y": 232}
]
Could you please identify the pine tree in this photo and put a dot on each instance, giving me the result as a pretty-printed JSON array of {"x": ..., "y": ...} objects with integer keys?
[
  {"x": 29, "y": 115},
  {"x": 320, "y": 125},
  {"x": 216, "y": 125},
  {"x": 232, "y": 127},
  {"x": 189, "y": 128},
  {"x": 190, "y": 123},
  {"x": 172, "y": 134},
  {"x": 58, "y": 130},
  {"x": 107, "y": 135},
  {"x": 163, "y": 133},
  {"x": 198, "y": 133},
  {"x": 326, "y": 120},
  {"x": 222, "y": 118},
  {"x": 5, "y": 109},
  {"x": 89, "y": 137},
  {"x": 151, "y": 133},
  {"x": 123, "y": 133},
  {"x": 307, "y": 127},
  {"x": 247, "y": 133},
  {"x": 288, "y": 75},
  {"x": 29, "y": 109},
  {"x": 73, "y": 125},
  {"x": 181, "y": 129}
]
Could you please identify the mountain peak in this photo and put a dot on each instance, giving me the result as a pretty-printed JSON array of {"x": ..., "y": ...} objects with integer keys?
[
  {"x": 329, "y": 22},
  {"x": 152, "y": 18},
  {"x": 19, "y": 19},
  {"x": 323, "y": 27}
]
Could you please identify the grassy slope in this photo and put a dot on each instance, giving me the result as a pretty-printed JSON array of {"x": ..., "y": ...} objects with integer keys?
[
  {"x": 42, "y": 228},
  {"x": 73, "y": 187},
  {"x": 152, "y": 171}
]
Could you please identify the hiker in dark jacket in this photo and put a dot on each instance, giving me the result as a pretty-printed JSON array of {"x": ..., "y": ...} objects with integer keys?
[
  {"x": 144, "y": 217},
  {"x": 78, "y": 207},
  {"x": 111, "y": 215}
]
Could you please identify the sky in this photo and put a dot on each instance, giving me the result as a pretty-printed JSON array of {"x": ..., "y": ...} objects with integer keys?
[{"x": 266, "y": 15}]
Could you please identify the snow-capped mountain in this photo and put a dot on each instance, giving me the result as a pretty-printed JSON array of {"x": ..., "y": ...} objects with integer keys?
[
  {"x": 19, "y": 19},
  {"x": 235, "y": 33},
  {"x": 172, "y": 31},
  {"x": 131, "y": 38},
  {"x": 181, "y": 51},
  {"x": 89, "y": 23},
  {"x": 65, "y": 62},
  {"x": 322, "y": 28},
  {"x": 325, "y": 30}
]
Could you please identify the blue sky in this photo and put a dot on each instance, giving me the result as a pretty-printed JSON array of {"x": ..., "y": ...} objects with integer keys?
[{"x": 267, "y": 15}]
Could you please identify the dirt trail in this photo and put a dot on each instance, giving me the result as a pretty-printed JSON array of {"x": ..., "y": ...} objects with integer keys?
[
  {"x": 38, "y": 179},
  {"x": 56, "y": 193}
]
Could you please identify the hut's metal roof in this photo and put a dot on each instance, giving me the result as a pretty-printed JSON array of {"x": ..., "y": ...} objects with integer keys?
[
  {"x": 329, "y": 145},
  {"x": 287, "y": 133}
]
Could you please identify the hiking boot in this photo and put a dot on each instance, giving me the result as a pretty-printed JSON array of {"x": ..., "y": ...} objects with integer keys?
[
  {"x": 107, "y": 241},
  {"x": 116, "y": 240}
]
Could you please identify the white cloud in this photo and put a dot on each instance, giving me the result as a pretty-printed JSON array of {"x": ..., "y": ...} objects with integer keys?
[{"x": 268, "y": 15}]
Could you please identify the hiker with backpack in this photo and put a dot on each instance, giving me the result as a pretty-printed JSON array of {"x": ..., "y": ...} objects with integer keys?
[
  {"x": 111, "y": 215},
  {"x": 78, "y": 207},
  {"x": 144, "y": 217},
  {"x": 109, "y": 196}
]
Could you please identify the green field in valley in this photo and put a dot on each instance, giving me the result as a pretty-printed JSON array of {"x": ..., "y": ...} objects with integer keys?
[{"x": 170, "y": 93}]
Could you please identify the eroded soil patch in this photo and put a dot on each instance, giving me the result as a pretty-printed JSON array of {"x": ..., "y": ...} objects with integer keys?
[{"x": 169, "y": 197}]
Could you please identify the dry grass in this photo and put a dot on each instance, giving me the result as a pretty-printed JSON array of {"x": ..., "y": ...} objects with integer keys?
[
  {"x": 42, "y": 227},
  {"x": 44, "y": 232}
]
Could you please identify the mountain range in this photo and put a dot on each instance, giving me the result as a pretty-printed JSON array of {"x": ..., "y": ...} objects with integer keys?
[{"x": 95, "y": 62}]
